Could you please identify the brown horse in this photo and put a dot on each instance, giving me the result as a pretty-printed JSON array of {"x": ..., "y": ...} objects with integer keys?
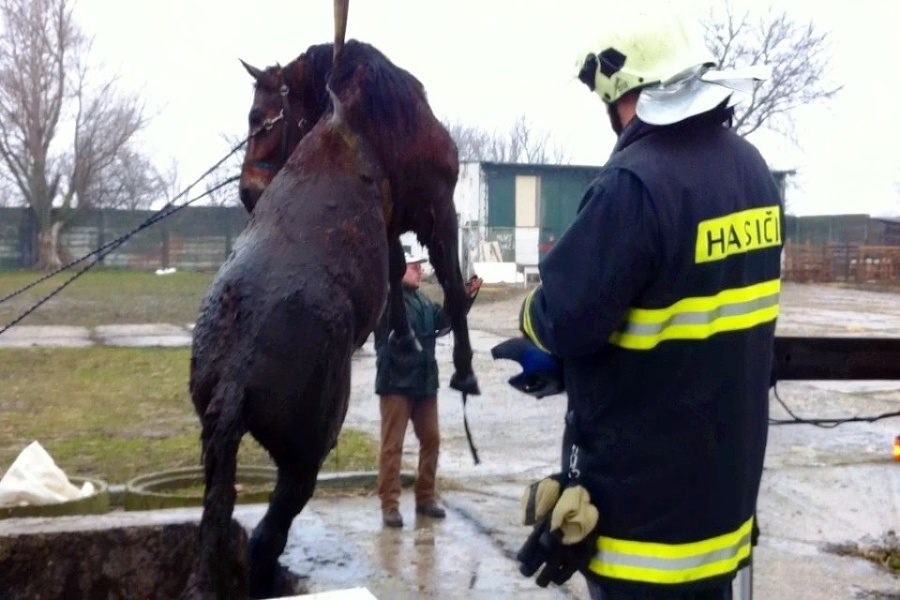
[
  {"x": 416, "y": 150},
  {"x": 302, "y": 290}
]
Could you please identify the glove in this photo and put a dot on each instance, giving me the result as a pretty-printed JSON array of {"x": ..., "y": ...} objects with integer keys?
[
  {"x": 540, "y": 498},
  {"x": 564, "y": 541},
  {"x": 541, "y": 371}
]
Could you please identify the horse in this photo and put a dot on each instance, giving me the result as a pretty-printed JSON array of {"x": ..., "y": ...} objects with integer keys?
[
  {"x": 419, "y": 155},
  {"x": 302, "y": 289}
]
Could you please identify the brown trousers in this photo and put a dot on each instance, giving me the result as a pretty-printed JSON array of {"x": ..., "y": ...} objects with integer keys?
[{"x": 396, "y": 411}]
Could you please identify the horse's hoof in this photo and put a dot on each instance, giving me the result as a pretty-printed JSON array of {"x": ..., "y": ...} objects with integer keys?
[
  {"x": 467, "y": 384},
  {"x": 284, "y": 583},
  {"x": 287, "y": 583}
]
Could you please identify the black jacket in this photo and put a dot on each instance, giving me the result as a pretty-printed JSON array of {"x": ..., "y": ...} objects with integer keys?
[{"x": 661, "y": 301}]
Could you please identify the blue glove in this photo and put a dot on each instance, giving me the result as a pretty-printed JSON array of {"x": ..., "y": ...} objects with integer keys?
[{"x": 541, "y": 371}]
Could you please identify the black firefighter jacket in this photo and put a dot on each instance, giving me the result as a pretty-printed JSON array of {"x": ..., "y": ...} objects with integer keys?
[{"x": 661, "y": 300}]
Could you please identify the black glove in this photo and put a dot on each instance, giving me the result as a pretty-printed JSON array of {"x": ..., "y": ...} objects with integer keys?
[
  {"x": 564, "y": 541},
  {"x": 560, "y": 561},
  {"x": 541, "y": 372}
]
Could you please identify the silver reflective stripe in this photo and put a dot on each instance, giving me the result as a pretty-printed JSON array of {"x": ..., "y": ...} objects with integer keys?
[
  {"x": 672, "y": 564},
  {"x": 702, "y": 317}
]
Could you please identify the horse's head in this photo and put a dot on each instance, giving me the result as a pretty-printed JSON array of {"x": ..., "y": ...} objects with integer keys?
[{"x": 286, "y": 104}]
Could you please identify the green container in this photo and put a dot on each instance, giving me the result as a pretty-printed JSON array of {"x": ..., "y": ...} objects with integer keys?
[
  {"x": 179, "y": 488},
  {"x": 95, "y": 504}
]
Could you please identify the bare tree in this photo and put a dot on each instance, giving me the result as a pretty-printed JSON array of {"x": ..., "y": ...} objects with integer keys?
[
  {"x": 220, "y": 192},
  {"x": 9, "y": 194},
  {"x": 44, "y": 90},
  {"x": 521, "y": 143},
  {"x": 170, "y": 181},
  {"x": 105, "y": 123},
  {"x": 797, "y": 52},
  {"x": 130, "y": 182}
]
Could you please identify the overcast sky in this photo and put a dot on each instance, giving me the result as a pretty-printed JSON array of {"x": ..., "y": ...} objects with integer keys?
[{"x": 485, "y": 62}]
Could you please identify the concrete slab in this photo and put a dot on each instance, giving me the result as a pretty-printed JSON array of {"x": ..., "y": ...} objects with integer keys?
[
  {"x": 339, "y": 544},
  {"x": 59, "y": 336},
  {"x": 357, "y": 593},
  {"x": 142, "y": 335}
]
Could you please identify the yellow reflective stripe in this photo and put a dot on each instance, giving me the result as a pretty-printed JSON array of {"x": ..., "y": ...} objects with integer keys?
[
  {"x": 654, "y": 562},
  {"x": 526, "y": 321},
  {"x": 700, "y": 318}
]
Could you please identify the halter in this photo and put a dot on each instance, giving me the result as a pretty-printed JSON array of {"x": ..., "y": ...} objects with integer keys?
[{"x": 268, "y": 124}]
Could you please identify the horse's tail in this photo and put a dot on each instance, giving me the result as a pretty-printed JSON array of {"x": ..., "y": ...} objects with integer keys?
[{"x": 220, "y": 567}]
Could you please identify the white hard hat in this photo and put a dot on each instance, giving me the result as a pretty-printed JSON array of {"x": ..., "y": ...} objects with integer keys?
[
  {"x": 641, "y": 46},
  {"x": 656, "y": 48},
  {"x": 415, "y": 259}
]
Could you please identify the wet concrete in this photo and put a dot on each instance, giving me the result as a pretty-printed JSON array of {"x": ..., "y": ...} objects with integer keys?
[
  {"x": 158, "y": 334},
  {"x": 25, "y": 336},
  {"x": 342, "y": 545},
  {"x": 135, "y": 336},
  {"x": 820, "y": 486}
]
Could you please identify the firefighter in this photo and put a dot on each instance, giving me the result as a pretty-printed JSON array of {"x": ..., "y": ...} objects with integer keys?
[{"x": 656, "y": 315}]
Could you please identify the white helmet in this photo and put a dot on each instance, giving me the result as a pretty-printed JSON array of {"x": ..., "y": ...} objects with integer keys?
[{"x": 653, "y": 45}]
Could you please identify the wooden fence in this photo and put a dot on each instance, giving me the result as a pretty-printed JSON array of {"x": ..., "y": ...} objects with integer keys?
[{"x": 850, "y": 263}]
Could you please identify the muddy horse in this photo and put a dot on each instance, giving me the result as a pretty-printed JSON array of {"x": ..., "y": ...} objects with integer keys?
[
  {"x": 303, "y": 288},
  {"x": 416, "y": 150}
]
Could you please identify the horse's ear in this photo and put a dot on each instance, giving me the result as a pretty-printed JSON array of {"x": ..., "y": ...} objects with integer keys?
[{"x": 256, "y": 73}]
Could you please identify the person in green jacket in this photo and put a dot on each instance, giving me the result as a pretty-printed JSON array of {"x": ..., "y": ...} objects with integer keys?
[{"x": 408, "y": 392}]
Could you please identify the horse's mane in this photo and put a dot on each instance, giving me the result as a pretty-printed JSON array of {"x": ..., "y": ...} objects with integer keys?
[{"x": 389, "y": 95}]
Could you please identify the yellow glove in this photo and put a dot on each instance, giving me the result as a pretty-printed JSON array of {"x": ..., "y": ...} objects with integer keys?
[
  {"x": 540, "y": 497},
  {"x": 564, "y": 541},
  {"x": 574, "y": 515}
]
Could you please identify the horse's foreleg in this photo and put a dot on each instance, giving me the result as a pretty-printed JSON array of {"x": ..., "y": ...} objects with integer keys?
[
  {"x": 401, "y": 337},
  {"x": 443, "y": 251}
]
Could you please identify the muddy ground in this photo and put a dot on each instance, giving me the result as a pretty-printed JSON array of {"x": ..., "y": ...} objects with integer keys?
[
  {"x": 820, "y": 486},
  {"x": 828, "y": 495}
]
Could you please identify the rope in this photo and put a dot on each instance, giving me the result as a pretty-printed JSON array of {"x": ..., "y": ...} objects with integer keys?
[
  {"x": 472, "y": 449},
  {"x": 158, "y": 216},
  {"x": 102, "y": 252},
  {"x": 824, "y": 423}
]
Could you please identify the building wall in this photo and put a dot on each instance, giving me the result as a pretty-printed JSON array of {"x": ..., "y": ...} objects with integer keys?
[
  {"x": 832, "y": 229},
  {"x": 467, "y": 196},
  {"x": 559, "y": 191}
]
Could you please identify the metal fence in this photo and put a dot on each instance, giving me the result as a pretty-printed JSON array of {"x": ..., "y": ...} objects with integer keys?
[{"x": 849, "y": 263}]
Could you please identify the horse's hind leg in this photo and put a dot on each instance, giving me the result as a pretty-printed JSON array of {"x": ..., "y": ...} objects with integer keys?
[
  {"x": 440, "y": 237},
  {"x": 218, "y": 573},
  {"x": 401, "y": 337}
]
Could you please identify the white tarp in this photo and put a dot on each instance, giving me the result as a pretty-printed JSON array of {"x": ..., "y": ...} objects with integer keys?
[{"x": 34, "y": 479}]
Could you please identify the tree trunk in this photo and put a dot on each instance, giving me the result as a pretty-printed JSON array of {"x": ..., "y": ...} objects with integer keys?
[{"x": 48, "y": 247}]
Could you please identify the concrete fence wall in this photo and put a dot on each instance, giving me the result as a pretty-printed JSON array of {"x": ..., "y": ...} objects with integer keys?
[{"x": 194, "y": 238}]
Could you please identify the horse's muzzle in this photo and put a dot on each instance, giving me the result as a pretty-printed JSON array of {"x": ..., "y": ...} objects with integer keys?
[{"x": 248, "y": 197}]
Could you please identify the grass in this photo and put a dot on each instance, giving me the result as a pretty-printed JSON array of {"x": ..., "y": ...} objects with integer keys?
[
  {"x": 118, "y": 297},
  {"x": 105, "y": 297},
  {"x": 115, "y": 413}
]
